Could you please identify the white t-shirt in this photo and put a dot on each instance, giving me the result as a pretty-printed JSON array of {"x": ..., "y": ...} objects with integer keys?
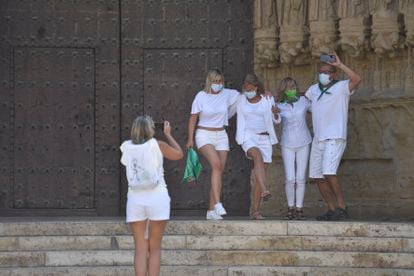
[
  {"x": 129, "y": 150},
  {"x": 330, "y": 112},
  {"x": 213, "y": 109},
  {"x": 295, "y": 132},
  {"x": 254, "y": 116}
]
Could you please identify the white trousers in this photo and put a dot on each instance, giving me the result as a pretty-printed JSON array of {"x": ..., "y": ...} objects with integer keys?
[{"x": 295, "y": 174}]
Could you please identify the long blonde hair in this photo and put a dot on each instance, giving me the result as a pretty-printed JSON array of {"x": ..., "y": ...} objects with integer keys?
[
  {"x": 142, "y": 129},
  {"x": 212, "y": 75},
  {"x": 283, "y": 85}
]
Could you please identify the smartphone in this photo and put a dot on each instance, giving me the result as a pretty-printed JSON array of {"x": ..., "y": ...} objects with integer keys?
[
  {"x": 159, "y": 126},
  {"x": 327, "y": 58}
]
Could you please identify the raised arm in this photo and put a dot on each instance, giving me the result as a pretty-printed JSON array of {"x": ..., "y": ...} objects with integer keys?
[
  {"x": 354, "y": 78},
  {"x": 171, "y": 150}
]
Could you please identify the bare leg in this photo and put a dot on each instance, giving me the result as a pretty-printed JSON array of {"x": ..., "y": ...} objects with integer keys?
[
  {"x": 155, "y": 239},
  {"x": 327, "y": 194},
  {"x": 337, "y": 190},
  {"x": 141, "y": 247},
  {"x": 223, "y": 158},
  {"x": 213, "y": 158},
  {"x": 257, "y": 193},
  {"x": 259, "y": 170}
]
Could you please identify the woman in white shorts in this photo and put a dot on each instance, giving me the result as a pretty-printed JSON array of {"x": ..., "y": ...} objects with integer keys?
[
  {"x": 148, "y": 208},
  {"x": 211, "y": 109},
  {"x": 256, "y": 134},
  {"x": 294, "y": 143}
]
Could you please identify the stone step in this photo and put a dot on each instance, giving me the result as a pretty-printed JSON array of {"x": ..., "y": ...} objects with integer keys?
[
  {"x": 82, "y": 227},
  {"x": 206, "y": 271},
  {"x": 204, "y": 242},
  {"x": 211, "y": 258}
]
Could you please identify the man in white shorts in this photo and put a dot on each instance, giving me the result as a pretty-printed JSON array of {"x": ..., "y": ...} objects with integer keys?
[{"x": 330, "y": 99}]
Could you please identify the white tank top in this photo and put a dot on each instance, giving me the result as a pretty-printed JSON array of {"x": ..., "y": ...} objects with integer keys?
[{"x": 129, "y": 149}]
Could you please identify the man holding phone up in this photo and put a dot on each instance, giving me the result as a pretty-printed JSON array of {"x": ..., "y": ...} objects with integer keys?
[{"x": 330, "y": 99}]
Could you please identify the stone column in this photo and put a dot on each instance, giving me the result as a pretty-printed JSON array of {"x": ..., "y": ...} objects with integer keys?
[
  {"x": 293, "y": 31},
  {"x": 265, "y": 35},
  {"x": 354, "y": 26},
  {"x": 323, "y": 27}
]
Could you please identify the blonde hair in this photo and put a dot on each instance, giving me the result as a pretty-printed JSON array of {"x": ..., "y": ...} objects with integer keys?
[
  {"x": 283, "y": 85},
  {"x": 254, "y": 80},
  {"x": 213, "y": 75},
  {"x": 142, "y": 129}
]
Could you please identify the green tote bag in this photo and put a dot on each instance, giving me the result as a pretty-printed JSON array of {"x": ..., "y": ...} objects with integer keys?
[{"x": 192, "y": 167}]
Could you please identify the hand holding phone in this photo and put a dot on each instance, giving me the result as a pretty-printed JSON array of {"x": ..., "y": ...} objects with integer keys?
[
  {"x": 159, "y": 126},
  {"x": 327, "y": 58}
]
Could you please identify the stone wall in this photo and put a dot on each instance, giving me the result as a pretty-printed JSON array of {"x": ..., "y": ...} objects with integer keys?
[{"x": 376, "y": 39}]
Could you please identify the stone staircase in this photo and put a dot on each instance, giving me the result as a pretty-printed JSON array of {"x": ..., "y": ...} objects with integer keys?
[{"x": 100, "y": 246}]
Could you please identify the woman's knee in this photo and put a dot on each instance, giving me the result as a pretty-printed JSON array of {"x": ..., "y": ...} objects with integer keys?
[
  {"x": 217, "y": 166},
  {"x": 290, "y": 182},
  {"x": 256, "y": 155}
]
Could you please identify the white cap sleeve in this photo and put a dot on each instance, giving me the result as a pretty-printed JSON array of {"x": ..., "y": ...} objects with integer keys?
[
  {"x": 124, "y": 156},
  {"x": 196, "y": 106}
]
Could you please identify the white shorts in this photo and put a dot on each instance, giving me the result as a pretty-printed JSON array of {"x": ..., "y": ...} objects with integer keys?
[
  {"x": 147, "y": 205},
  {"x": 262, "y": 142},
  {"x": 325, "y": 157},
  {"x": 217, "y": 138}
]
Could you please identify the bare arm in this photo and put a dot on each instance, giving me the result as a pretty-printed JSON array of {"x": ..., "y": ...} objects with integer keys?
[
  {"x": 354, "y": 78},
  {"x": 171, "y": 150},
  {"x": 191, "y": 127}
]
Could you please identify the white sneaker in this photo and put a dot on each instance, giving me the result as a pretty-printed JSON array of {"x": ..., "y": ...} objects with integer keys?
[
  {"x": 219, "y": 209},
  {"x": 212, "y": 215}
]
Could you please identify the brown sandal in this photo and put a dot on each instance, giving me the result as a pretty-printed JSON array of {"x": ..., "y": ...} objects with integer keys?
[
  {"x": 299, "y": 214},
  {"x": 256, "y": 216},
  {"x": 266, "y": 195},
  {"x": 290, "y": 214}
]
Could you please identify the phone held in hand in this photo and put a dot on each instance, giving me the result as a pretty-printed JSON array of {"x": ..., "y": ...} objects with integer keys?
[
  {"x": 159, "y": 126},
  {"x": 327, "y": 58}
]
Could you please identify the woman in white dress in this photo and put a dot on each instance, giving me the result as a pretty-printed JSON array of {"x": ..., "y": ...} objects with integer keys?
[{"x": 256, "y": 116}]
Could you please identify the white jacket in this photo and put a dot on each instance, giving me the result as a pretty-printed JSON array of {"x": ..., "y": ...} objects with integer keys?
[{"x": 242, "y": 135}]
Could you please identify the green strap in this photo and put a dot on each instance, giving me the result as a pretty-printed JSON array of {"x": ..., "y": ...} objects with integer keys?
[{"x": 325, "y": 90}]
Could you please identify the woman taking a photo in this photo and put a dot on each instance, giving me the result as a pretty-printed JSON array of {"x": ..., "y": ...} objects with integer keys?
[
  {"x": 209, "y": 116},
  {"x": 256, "y": 115},
  {"x": 294, "y": 143},
  {"x": 148, "y": 203}
]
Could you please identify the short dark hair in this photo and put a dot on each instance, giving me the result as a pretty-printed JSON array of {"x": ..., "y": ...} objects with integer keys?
[
  {"x": 332, "y": 68},
  {"x": 253, "y": 79}
]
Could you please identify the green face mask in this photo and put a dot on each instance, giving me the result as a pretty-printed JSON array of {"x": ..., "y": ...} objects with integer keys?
[{"x": 290, "y": 94}]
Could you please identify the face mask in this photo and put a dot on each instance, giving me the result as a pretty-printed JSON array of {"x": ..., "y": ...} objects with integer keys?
[
  {"x": 216, "y": 87},
  {"x": 324, "y": 79},
  {"x": 290, "y": 94},
  {"x": 250, "y": 94}
]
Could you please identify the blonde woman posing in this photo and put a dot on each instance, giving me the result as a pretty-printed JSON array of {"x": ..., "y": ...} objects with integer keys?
[
  {"x": 148, "y": 203},
  {"x": 256, "y": 115},
  {"x": 295, "y": 144},
  {"x": 209, "y": 116}
]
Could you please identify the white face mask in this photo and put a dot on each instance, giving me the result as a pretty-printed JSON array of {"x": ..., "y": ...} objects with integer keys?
[
  {"x": 216, "y": 87},
  {"x": 250, "y": 94},
  {"x": 324, "y": 79}
]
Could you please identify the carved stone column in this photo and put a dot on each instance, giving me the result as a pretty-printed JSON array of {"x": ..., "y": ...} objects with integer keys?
[
  {"x": 386, "y": 39},
  {"x": 407, "y": 9},
  {"x": 354, "y": 26},
  {"x": 265, "y": 35},
  {"x": 293, "y": 31},
  {"x": 323, "y": 26}
]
